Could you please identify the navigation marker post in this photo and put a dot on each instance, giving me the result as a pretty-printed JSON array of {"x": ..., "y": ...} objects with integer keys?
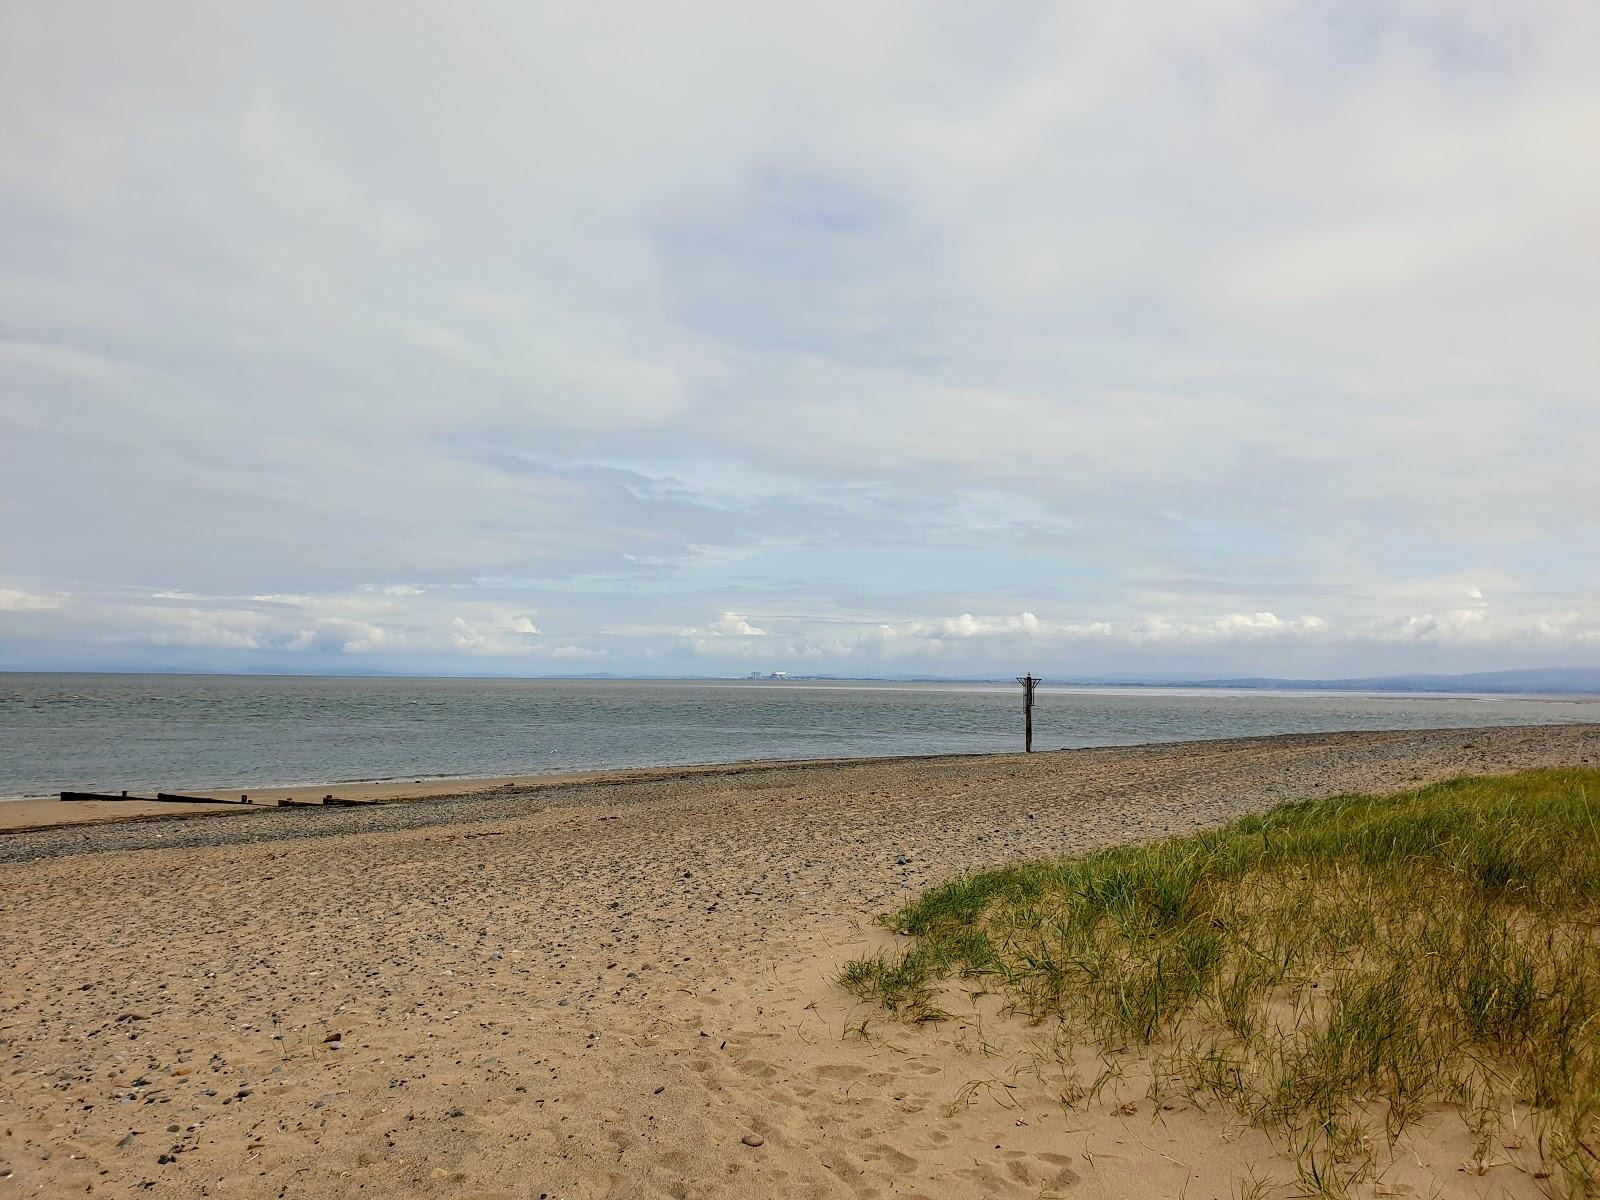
[{"x": 1028, "y": 683}]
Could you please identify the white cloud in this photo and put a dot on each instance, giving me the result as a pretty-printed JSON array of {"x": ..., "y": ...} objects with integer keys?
[
  {"x": 1458, "y": 625},
  {"x": 728, "y": 624},
  {"x": 15, "y": 600},
  {"x": 577, "y": 653},
  {"x": 968, "y": 626},
  {"x": 498, "y": 633},
  {"x": 438, "y": 629},
  {"x": 1226, "y": 628},
  {"x": 198, "y": 628},
  {"x": 203, "y": 637},
  {"x": 467, "y": 635}
]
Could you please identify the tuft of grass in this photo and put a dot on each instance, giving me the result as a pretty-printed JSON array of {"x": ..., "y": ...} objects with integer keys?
[
  {"x": 1326, "y": 968},
  {"x": 901, "y": 983}
]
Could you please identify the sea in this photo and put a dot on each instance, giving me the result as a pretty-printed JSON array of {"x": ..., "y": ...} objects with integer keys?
[{"x": 141, "y": 732}]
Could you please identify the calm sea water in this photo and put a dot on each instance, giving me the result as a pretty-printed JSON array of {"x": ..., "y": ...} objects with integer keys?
[{"x": 104, "y": 732}]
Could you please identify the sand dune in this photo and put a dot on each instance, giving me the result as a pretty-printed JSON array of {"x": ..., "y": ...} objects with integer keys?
[{"x": 612, "y": 987}]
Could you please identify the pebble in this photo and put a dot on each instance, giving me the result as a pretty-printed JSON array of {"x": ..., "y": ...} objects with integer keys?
[{"x": 753, "y": 1139}]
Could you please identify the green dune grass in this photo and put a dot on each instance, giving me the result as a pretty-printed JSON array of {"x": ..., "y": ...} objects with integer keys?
[{"x": 1330, "y": 968}]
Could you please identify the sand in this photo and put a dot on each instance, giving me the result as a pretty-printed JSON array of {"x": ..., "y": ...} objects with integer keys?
[
  {"x": 615, "y": 987},
  {"x": 41, "y": 812},
  {"x": 37, "y": 812}
]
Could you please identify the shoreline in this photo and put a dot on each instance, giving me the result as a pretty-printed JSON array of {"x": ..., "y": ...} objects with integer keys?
[{"x": 24, "y": 814}]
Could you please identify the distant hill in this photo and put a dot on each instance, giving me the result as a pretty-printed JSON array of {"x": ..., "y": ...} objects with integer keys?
[{"x": 1545, "y": 680}]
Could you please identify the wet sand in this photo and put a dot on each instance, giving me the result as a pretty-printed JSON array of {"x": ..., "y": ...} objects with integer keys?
[
  {"x": 40, "y": 812},
  {"x": 614, "y": 987}
]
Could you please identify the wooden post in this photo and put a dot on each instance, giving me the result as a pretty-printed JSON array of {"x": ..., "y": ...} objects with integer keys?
[{"x": 1028, "y": 683}]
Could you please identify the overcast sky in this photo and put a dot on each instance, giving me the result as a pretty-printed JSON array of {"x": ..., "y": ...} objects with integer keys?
[{"x": 879, "y": 338}]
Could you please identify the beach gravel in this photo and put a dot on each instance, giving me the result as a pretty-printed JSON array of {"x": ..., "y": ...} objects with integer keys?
[{"x": 598, "y": 989}]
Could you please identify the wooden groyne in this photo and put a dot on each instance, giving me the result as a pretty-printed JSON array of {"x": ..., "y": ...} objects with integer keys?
[{"x": 244, "y": 801}]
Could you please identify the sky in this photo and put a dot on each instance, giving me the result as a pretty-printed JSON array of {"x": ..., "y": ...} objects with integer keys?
[{"x": 1229, "y": 337}]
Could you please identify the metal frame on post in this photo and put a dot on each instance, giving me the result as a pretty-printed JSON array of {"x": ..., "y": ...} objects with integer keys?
[{"x": 1028, "y": 683}]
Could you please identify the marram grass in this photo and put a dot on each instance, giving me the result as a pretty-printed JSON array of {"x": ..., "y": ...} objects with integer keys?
[{"x": 1316, "y": 965}]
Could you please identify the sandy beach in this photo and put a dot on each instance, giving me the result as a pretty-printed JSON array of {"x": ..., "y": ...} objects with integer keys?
[{"x": 615, "y": 985}]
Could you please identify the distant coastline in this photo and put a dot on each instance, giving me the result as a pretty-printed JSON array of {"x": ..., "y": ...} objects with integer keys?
[
  {"x": 1538, "y": 681},
  {"x": 1532, "y": 681}
]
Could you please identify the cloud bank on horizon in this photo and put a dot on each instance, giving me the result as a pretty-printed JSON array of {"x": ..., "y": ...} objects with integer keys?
[{"x": 1247, "y": 336}]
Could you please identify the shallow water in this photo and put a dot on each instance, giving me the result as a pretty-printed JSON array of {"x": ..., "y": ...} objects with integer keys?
[{"x": 108, "y": 732}]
